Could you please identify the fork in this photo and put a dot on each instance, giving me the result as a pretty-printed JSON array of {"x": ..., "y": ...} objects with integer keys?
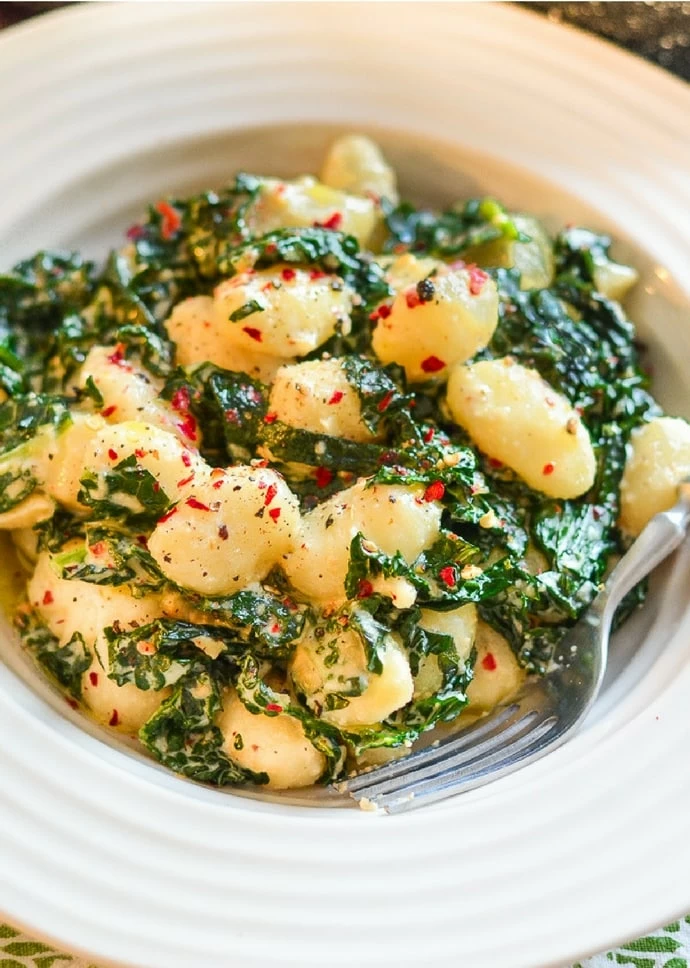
[{"x": 546, "y": 711}]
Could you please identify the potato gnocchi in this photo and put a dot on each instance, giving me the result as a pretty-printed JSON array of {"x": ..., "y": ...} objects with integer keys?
[{"x": 304, "y": 472}]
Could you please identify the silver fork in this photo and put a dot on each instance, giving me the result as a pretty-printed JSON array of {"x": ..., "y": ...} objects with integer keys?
[{"x": 545, "y": 712}]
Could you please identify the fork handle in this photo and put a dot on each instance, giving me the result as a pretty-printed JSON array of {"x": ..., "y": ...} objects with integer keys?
[{"x": 661, "y": 536}]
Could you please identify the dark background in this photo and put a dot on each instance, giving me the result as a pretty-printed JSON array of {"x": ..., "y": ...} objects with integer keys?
[{"x": 658, "y": 31}]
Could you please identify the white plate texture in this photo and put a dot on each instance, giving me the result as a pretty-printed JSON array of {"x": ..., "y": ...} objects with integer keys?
[{"x": 103, "y": 107}]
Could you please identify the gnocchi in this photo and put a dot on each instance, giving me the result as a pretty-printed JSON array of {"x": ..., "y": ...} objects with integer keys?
[
  {"x": 331, "y": 672},
  {"x": 393, "y": 518},
  {"x": 516, "y": 418},
  {"x": 317, "y": 396},
  {"x": 281, "y": 312},
  {"x": 658, "y": 460},
  {"x": 355, "y": 164},
  {"x": 441, "y": 320},
  {"x": 228, "y": 533},
  {"x": 200, "y": 334},
  {"x": 275, "y": 745},
  {"x": 307, "y": 202}
]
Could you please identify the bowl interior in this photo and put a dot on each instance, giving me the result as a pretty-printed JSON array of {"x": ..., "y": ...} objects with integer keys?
[{"x": 92, "y": 213}]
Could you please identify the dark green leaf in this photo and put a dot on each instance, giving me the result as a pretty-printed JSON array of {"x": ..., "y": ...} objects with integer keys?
[
  {"x": 183, "y": 736},
  {"x": 126, "y": 492},
  {"x": 64, "y": 663}
]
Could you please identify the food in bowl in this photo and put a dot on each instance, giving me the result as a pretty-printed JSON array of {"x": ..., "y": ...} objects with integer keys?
[{"x": 303, "y": 472}]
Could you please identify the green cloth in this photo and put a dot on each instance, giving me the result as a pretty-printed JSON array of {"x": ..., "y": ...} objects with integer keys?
[{"x": 668, "y": 947}]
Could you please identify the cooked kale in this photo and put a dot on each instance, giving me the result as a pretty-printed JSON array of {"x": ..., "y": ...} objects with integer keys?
[
  {"x": 65, "y": 664},
  {"x": 182, "y": 733},
  {"x": 127, "y": 492},
  {"x": 450, "y": 233},
  {"x": 109, "y": 556},
  {"x": 531, "y": 564},
  {"x": 445, "y": 576}
]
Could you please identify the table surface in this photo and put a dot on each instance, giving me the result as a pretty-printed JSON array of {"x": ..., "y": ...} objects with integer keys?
[{"x": 659, "y": 32}]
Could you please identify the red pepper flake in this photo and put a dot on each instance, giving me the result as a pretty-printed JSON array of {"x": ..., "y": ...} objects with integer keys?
[
  {"x": 274, "y": 513},
  {"x": 97, "y": 549},
  {"x": 477, "y": 279},
  {"x": 324, "y": 476},
  {"x": 271, "y": 492},
  {"x": 167, "y": 515},
  {"x": 156, "y": 487},
  {"x": 188, "y": 427},
  {"x": 171, "y": 219},
  {"x": 135, "y": 232},
  {"x": 186, "y": 480},
  {"x": 428, "y": 435},
  {"x": 72, "y": 703},
  {"x": 273, "y": 707},
  {"x": 93, "y": 678},
  {"x": 186, "y": 459},
  {"x": 432, "y": 364},
  {"x": 548, "y": 468},
  {"x": 383, "y": 312},
  {"x": 112, "y": 454},
  {"x": 448, "y": 576},
  {"x": 223, "y": 532},
  {"x": 142, "y": 540},
  {"x": 197, "y": 505},
  {"x": 275, "y": 628},
  {"x": 489, "y": 662},
  {"x": 365, "y": 589},
  {"x": 140, "y": 452},
  {"x": 412, "y": 299},
  {"x": 496, "y": 464},
  {"x": 288, "y": 274},
  {"x": 270, "y": 418},
  {"x": 180, "y": 400},
  {"x": 109, "y": 411},
  {"x": 316, "y": 274},
  {"x": 385, "y": 401},
  {"x": 334, "y": 222},
  {"x": 253, "y": 333},
  {"x": 435, "y": 491},
  {"x": 114, "y": 719},
  {"x": 217, "y": 484},
  {"x": 48, "y": 598},
  {"x": 118, "y": 354},
  {"x": 337, "y": 397}
]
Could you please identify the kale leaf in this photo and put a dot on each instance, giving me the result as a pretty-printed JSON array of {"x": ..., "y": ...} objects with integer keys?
[
  {"x": 109, "y": 556},
  {"x": 182, "y": 734},
  {"x": 127, "y": 492},
  {"x": 444, "y": 575},
  {"x": 449, "y": 233},
  {"x": 261, "y": 699},
  {"x": 63, "y": 663}
]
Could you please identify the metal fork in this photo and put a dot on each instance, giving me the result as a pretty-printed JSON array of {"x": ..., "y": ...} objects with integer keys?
[{"x": 547, "y": 709}]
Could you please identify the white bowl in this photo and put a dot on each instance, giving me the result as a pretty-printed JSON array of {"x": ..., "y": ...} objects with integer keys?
[{"x": 103, "y": 108}]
